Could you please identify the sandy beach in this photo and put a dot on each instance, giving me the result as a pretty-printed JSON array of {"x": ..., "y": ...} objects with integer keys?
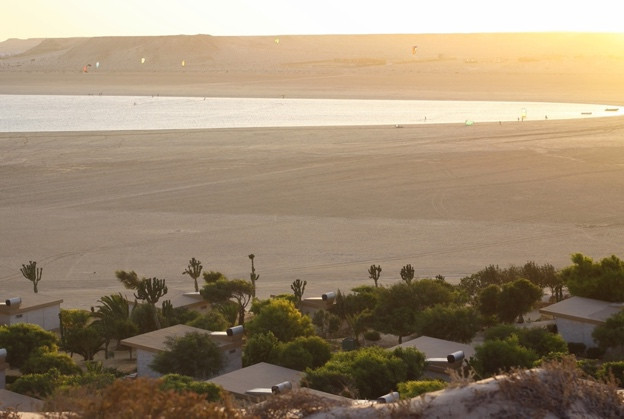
[{"x": 320, "y": 204}]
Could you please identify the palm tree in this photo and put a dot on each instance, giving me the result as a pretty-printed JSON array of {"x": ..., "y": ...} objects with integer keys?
[{"x": 113, "y": 319}]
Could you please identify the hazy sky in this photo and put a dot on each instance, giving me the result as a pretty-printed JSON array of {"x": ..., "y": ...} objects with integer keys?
[{"x": 67, "y": 18}]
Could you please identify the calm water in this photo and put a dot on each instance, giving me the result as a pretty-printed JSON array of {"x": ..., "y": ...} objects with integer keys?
[{"x": 25, "y": 113}]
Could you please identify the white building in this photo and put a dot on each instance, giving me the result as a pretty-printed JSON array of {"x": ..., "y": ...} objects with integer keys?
[
  {"x": 577, "y": 317},
  {"x": 36, "y": 309},
  {"x": 149, "y": 344}
]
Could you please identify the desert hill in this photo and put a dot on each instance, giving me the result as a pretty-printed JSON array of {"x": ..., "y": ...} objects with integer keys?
[
  {"x": 536, "y": 66},
  {"x": 209, "y": 53}
]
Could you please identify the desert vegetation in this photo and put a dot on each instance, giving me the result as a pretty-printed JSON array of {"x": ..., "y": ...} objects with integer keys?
[{"x": 490, "y": 303}]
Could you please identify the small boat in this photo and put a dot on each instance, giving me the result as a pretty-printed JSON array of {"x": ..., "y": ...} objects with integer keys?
[{"x": 612, "y": 109}]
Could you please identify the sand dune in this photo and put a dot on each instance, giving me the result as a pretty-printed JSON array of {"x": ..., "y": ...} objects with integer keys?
[
  {"x": 551, "y": 67},
  {"x": 319, "y": 204}
]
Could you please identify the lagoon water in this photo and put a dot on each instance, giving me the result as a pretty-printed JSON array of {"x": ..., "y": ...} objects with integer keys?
[{"x": 33, "y": 113}]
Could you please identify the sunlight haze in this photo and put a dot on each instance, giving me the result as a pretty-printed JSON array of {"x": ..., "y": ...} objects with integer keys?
[{"x": 85, "y": 18}]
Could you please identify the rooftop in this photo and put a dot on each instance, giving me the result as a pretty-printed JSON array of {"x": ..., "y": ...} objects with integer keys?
[
  {"x": 582, "y": 309},
  {"x": 29, "y": 303}
]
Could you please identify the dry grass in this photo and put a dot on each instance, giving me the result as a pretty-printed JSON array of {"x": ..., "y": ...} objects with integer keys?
[{"x": 562, "y": 389}]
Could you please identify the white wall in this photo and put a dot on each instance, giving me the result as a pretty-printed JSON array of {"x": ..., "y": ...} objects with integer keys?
[
  {"x": 47, "y": 318},
  {"x": 574, "y": 331},
  {"x": 144, "y": 359}
]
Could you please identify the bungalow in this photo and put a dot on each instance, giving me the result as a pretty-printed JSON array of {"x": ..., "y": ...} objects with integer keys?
[
  {"x": 36, "y": 308},
  {"x": 438, "y": 354},
  {"x": 256, "y": 382},
  {"x": 149, "y": 344},
  {"x": 311, "y": 305},
  {"x": 577, "y": 317},
  {"x": 189, "y": 300}
]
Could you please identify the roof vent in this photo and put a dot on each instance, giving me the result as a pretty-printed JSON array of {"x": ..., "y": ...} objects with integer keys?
[
  {"x": 281, "y": 387},
  {"x": 329, "y": 296},
  {"x": 236, "y": 330},
  {"x": 15, "y": 301}
]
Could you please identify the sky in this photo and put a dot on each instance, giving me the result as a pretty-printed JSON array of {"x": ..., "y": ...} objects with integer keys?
[{"x": 87, "y": 18}]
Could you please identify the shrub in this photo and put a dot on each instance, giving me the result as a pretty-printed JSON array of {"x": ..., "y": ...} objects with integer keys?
[
  {"x": 455, "y": 323},
  {"x": 41, "y": 362},
  {"x": 281, "y": 317},
  {"x": 213, "y": 320},
  {"x": 36, "y": 385},
  {"x": 304, "y": 352},
  {"x": 366, "y": 372},
  {"x": 495, "y": 356},
  {"x": 614, "y": 368},
  {"x": 182, "y": 383},
  {"x": 261, "y": 347},
  {"x": 194, "y": 354},
  {"x": 21, "y": 340},
  {"x": 140, "y": 398},
  {"x": 372, "y": 335},
  {"x": 410, "y": 389},
  {"x": 540, "y": 340}
]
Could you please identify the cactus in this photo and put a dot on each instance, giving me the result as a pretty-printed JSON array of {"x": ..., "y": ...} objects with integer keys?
[
  {"x": 193, "y": 270},
  {"x": 298, "y": 288},
  {"x": 407, "y": 274},
  {"x": 32, "y": 273},
  {"x": 253, "y": 276},
  {"x": 374, "y": 272}
]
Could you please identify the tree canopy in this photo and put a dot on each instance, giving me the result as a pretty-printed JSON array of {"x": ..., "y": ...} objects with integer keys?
[
  {"x": 195, "y": 355},
  {"x": 602, "y": 280},
  {"x": 282, "y": 318}
]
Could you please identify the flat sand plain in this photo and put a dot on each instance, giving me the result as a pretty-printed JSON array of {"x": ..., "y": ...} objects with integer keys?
[{"x": 319, "y": 204}]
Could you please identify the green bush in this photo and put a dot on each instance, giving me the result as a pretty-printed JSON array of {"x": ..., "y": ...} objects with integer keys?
[
  {"x": 367, "y": 372},
  {"x": 194, "y": 354},
  {"x": 36, "y": 385},
  {"x": 261, "y": 347},
  {"x": 41, "y": 362},
  {"x": 614, "y": 368},
  {"x": 410, "y": 389},
  {"x": 281, "y": 317},
  {"x": 21, "y": 340},
  {"x": 213, "y": 321},
  {"x": 182, "y": 383},
  {"x": 538, "y": 339},
  {"x": 449, "y": 322},
  {"x": 495, "y": 356},
  {"x": 372, "y": 335},
  {"x": 304, "y": 352}
]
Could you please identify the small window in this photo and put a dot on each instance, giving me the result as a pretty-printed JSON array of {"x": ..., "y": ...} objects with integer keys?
[
  {"x": 19, "y": 316},
  {"x": 232, "y": 351}
]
